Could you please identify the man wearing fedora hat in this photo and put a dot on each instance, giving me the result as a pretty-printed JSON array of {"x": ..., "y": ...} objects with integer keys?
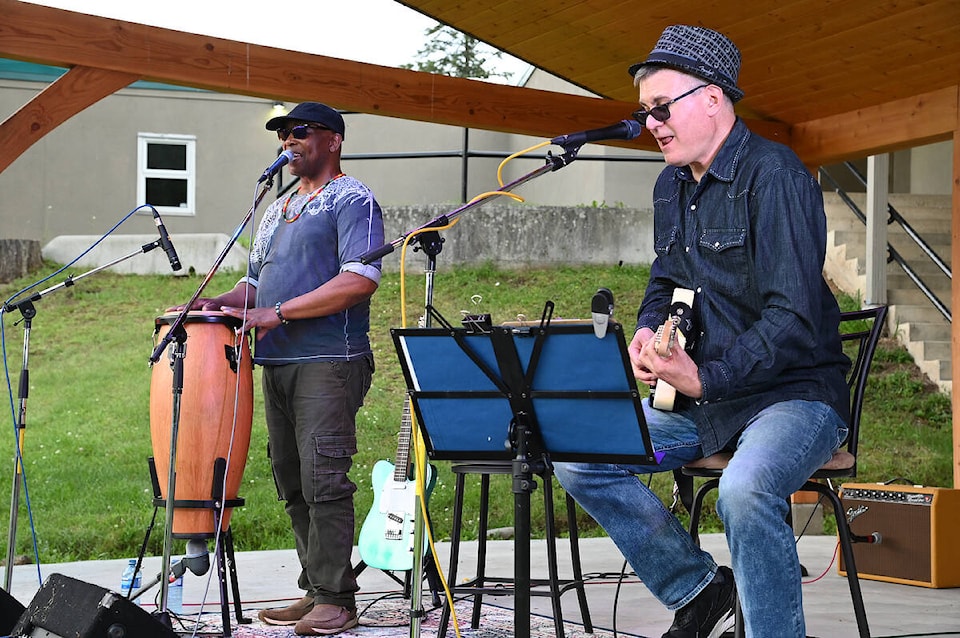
[
  {"x": 738, "y": 220},
  {"x": 307, "y": 295}
]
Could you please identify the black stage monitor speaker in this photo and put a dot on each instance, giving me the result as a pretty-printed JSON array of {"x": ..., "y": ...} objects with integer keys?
[
  {"x": 10, "y": 612},
  {"x": 917, "y": 529},
  {"x": 68, "y": 608}
]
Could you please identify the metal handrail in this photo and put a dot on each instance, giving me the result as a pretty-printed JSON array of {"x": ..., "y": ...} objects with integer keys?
[
  {"x": 893, "y": 215},
  {"x": 916, "y": 279}
]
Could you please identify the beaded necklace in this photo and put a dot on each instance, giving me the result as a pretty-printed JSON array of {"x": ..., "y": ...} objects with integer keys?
[{"x": 312, "y": 197}]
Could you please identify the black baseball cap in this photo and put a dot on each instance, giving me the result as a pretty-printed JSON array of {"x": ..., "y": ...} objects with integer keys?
[{"x": 310, "y": 112}]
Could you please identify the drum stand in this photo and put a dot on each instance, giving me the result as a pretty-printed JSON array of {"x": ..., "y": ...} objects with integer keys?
[{"x": 224, "y": 549}]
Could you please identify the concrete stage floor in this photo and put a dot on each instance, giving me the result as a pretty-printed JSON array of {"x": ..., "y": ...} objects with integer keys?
[{"x": 268, "y": 579}]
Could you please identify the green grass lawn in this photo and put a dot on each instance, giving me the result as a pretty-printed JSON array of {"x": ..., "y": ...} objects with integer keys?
[{"x": 87, "y": 436}]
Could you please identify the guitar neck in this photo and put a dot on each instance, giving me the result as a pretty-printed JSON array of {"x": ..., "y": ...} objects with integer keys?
[{"x": 401, "y": 470}]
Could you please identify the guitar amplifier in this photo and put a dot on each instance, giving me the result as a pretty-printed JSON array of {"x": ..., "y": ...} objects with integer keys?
[{"x": 917, "y": 528}]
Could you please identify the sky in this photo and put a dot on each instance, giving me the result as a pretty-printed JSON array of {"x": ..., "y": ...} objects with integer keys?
[{"x": 375, "y": 31}]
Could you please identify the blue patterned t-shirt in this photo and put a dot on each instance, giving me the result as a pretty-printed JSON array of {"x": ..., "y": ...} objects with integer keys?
[{"x": 331, "y": 233}]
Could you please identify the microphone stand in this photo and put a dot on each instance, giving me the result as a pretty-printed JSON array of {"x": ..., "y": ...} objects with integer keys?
[
  {"x": 553, "y": 163},
  {"x": 178, "y": 334},
  {"x": 432, "y": 244},
  {"x": 29, "y": 311}
]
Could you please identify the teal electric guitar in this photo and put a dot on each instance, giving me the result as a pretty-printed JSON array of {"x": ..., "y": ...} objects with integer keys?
[{"x": 386, "y": 537}]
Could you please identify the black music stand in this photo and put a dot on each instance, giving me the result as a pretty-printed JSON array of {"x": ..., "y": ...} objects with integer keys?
[{"x": 526, "y": 393}]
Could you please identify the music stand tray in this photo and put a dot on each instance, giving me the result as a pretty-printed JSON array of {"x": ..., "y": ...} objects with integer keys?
[{"x": 533, "y": 394}]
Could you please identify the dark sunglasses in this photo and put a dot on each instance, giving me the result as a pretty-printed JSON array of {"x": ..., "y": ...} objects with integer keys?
[
  {"x": 299, "y": 132},
  {"x": 661, "y": 112}
]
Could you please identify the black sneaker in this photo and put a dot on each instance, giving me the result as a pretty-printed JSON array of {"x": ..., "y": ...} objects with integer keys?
[{"x": 710, "y": 613}]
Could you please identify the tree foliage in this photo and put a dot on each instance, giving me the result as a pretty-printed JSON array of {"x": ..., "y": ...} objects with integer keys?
[{"x": 456, "y": 54}]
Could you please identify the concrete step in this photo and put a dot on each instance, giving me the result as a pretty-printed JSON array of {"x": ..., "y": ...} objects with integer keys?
[
  {"x": 914, "y": 208},
  {"x": 930, "y": 349},
  {"x": 913, "y": 319},
  {"x": 919, "y": 330},
  {"x": 915, "y": 297},
  {"x": 856, "y": 239}
]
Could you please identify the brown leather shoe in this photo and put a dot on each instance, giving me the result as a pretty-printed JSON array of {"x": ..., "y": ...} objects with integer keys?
[
  {"x": 326, "y": 620},
  {"x": 287, "y": 615}
]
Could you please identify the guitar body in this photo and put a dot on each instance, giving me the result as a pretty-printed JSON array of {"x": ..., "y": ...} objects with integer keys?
[
  {"x": 386, "y": 537},
  {"x": 663, "y": 396},
  {"x": 674, "y": 330}
]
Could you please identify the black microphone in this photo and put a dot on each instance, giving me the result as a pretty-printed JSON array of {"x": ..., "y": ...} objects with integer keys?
[
  {"x": 198, "y": 556},
  {"x": 165, "y": 242},
  {"x": 601, "y": 309},
  {"x": 197, "y": 560},
  {"x": 622, "y": 130},
  {"x": 280, "y": 162}
]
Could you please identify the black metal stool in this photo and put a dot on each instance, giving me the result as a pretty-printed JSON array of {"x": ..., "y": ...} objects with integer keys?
[{"x": 479, "y": 585}]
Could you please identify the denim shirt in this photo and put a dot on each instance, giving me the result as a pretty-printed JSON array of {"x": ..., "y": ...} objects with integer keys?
[{"x": 750, "y": 240}]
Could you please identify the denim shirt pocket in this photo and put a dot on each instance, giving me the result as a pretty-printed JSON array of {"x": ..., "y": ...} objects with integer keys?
[
  {"x": 664, "y": 242},
  {"x": 725, "y": 259}
]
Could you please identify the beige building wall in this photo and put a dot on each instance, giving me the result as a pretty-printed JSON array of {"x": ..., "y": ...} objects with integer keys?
[{"x": 81, "y": 179}]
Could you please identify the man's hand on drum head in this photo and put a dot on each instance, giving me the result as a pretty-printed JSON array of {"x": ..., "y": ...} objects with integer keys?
[
  {"x": 203, "y": 304},
  {"x": 263, "y": 319}
]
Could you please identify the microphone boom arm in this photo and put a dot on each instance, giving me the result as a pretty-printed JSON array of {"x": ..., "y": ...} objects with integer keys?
[{"x": 553, "y": 163}]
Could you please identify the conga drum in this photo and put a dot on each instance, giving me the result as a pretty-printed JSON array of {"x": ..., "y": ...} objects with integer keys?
[{"x": 216, "y": 415}]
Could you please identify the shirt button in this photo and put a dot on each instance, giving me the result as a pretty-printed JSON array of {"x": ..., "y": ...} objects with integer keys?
[
  {"x": 693, "y": 207},
  {"x": 687, "y": 249},
  {"x": 716, "y": 245}
]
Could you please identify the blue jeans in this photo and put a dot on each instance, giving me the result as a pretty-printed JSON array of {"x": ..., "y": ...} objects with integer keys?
[{"x": 776, "y": 452}]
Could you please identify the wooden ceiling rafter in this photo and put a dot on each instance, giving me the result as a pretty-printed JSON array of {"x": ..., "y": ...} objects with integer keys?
[{"x": 62, "y": 38}]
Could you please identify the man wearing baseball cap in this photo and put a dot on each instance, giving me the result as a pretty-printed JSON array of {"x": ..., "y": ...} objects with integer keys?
[
  {"x": 739, "y": 221},
  {"x": 307, "y": 295}
]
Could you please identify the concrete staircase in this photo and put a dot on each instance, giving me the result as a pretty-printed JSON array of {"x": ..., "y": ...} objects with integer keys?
[{"x": 913, "y": 318}]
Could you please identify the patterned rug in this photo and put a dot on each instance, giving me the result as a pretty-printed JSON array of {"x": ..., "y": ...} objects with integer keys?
[{"x": 391, "y": 619}]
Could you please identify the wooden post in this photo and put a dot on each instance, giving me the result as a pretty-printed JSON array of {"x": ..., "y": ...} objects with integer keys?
[{"x": 955, "y": 292}]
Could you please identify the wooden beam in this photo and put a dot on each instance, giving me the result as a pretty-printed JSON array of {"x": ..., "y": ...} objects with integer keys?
[
  {"x": 955, "y": 296},
  {"x": 64, "y": 38},
  {"x": 71, "y": 93},
  {"x": 921, "y": 119}
]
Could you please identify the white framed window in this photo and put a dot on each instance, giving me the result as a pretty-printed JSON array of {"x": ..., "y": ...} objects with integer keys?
[{"x": 166, "y": 172}]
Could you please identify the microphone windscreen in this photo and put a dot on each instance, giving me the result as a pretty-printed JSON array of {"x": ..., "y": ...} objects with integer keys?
[{"x": 198, "y": 556}]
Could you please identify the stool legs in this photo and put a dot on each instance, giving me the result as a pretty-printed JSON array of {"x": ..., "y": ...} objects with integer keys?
[
  {"x": 477, "y": 586},
  {"x": 575, "y": 563},
  {"x": 454, "y": 553},
  {"x": 481, "y": 549}
]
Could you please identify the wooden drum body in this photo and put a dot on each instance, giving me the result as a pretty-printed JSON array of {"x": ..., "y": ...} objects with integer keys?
[{"x": 214, "y": 357}]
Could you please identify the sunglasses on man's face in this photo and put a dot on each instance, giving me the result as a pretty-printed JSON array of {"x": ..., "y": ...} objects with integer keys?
[
  {"x": 299, "y": 132},
  {"x": 661, "y": 112}
]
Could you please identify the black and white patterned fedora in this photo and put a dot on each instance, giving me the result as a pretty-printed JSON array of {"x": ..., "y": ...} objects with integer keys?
[{"x": 698, "y": 51}]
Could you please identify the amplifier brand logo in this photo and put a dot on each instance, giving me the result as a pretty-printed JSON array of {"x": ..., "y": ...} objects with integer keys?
[{"x": 855, "y": 512}]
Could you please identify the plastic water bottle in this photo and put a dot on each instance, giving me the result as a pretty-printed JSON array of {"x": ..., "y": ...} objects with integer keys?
[
  {"x": 175, "y": 593},
  {"x": 130, "y": 581}
]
